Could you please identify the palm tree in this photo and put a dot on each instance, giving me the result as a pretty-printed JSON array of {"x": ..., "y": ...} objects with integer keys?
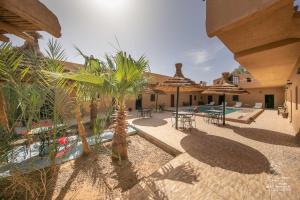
[
  {"x": 75, "y": 90},
  {"x": 93, "y": 66},
  {"x": 128, "y": 79},
  {"x": 123, "y": 78}
]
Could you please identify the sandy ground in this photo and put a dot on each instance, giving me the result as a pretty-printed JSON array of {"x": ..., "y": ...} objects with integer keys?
[{"x": 96, "y": 177}]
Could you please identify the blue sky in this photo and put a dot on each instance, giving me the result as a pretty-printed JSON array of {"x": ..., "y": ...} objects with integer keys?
[{"x": 165, "y": 31}]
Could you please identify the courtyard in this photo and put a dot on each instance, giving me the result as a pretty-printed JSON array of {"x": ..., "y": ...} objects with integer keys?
[{"x": 238, "y": 161}]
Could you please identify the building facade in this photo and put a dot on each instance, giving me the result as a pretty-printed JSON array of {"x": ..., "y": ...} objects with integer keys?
[
  {"x": 264, "y": 37},
  {"x": 270, "y": 97}
]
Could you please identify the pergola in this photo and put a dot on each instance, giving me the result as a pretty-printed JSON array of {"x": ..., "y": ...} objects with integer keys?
[{"x": 21, "y": 17}]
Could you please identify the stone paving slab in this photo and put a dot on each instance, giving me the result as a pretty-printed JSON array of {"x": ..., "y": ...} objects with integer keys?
[{"x": 239, "y": 161}]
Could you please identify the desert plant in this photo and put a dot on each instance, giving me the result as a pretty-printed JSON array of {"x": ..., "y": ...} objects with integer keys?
[
  {"x": 124, "y": 77},
  {"x": 127, "y": 79}
]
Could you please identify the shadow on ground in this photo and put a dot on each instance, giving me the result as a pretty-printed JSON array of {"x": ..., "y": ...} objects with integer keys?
[
  {"x": 93, "y": 172},
  {"x": 266, "y": 136},
  {"x": 154, "y": 122},
  {"x": 150, "y": 188},
  {"x": 125, "y": 175},
  {"x": 185, "y": 173},
  {"x": 224, "y": 153}
]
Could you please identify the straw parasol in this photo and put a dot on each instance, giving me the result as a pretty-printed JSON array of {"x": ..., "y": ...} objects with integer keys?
[
  {"x": 152, "y": 90},
  {"x": 176, "y": 82},
  {"x": 223, "y": 88}
]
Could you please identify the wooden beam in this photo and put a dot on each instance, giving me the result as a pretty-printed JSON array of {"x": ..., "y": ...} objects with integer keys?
[
  {"x": 4, "y": 38},
  {"x": 14, "y": 30},
  {"x": 34, "y": 12}
]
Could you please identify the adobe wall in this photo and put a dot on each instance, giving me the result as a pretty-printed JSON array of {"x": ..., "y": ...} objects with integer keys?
[{"x": 292, "y": 104}]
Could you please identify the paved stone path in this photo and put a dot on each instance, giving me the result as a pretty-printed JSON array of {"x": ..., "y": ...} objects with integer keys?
[{"x": 238, "y": 161}]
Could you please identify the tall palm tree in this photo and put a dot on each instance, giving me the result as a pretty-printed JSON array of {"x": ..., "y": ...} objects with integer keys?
[
  {"x": 124, "y": 77},
  {"x": 93, "y": 66},
  {"x": 128, "y": 79}
]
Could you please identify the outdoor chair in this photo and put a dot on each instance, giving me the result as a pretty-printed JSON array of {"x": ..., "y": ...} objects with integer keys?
[
  {"x": 281, "y": 109},
  {"x": 258, "y": 106},
  {"x": 186, "y": 121},
  {"x": 212, "y": 103},
  {"x": 173, "y": 119},
  {"x": 238, "y": 104}
]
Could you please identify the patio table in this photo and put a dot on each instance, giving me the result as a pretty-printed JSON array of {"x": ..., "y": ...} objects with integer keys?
[
  {"x": 146, "y": 112},
  {"x": 214, "y": 114},
  {"x": 185, "y": 117}
]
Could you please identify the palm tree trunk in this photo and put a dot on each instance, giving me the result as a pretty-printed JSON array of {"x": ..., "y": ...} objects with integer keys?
[
  {"x": 3, "y": 116},
  {"x": 93, "y": 114},
  {"x": 82, "y": 133},
  {"x": 119, "y": 143}
]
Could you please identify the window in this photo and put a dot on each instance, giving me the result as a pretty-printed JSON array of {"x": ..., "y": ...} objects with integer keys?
[
  {"x": 235, "y": 98},
  {"x": 152, "y": 97},
  {"x": 235, "y": 80},
  {"x": 195, "y": 98},
  {"x": 296, "y": 95},
  {"x": 249, "y": 80}
]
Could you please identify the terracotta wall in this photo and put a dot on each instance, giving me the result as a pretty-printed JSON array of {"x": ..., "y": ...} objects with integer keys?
[
  {"x": 293, "y": 100},
  {"x": 255, "y": 96},
  {"x": 166, "y": 99},
  {"x": 258, "y": 96}
]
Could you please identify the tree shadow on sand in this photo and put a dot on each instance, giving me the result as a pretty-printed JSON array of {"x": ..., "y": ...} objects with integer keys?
[
  {"x": 185, "y": 173},
  {"x": 224, "y": 153},
  {"x": 125, "y": 175},
  {"x": 266, "y": 136},
  {"x": 151, "y": 188},
  {"x": 92, "y": 171},
  {"x": 154, "y": 122}
]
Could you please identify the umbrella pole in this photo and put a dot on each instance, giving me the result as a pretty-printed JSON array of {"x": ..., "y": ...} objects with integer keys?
[
  {"x": 224, "y": 109},
  {"x": 156, "y": 102},
  {"x": 177, "y": 102}
]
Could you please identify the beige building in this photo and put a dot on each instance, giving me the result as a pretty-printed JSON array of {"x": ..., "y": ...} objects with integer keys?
[
  {"x": 270, "y": 97},
  {"x": 265, "y": 38}
]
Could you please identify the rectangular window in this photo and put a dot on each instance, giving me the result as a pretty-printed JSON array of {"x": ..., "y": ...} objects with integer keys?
[
  {"x": 235, "y": 98},
  {"x": 296, "y": 95},
  {"x": 235, "y": 80},
  {"x": 195, "y": 98},
  {"x": 152, "y": 97}
]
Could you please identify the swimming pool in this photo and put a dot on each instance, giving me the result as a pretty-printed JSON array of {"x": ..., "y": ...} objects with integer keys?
[{"x": 204, "y": 109}]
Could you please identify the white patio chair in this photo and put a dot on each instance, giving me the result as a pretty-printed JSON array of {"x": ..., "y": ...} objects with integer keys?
[
  {"x": 238, "y": 104},
  {"x": 258, "y": 106},
  {"x": 212, "y": 103}
]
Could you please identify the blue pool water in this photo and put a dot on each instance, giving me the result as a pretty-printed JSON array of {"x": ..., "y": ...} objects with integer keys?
[{"x": 204, "y": 109}]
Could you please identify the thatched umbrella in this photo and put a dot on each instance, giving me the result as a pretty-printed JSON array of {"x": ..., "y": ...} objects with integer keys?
[
  {"x": 152, "y": 90},
  {"x": 223, "y": 88},
  {"x": 176, "y": 82}
]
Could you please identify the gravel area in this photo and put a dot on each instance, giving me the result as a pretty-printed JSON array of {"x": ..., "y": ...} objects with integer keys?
[{"x": 97, "y": 177}]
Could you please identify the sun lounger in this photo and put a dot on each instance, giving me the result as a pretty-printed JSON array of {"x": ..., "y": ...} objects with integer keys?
[
  {"x": 258, "y": 105},
  {"x": 212, "y": 103},
  {"x": 238, "y": 104}
]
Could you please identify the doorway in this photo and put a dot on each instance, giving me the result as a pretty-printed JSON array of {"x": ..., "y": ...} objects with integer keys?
[
  {"x": 209, "y": 99},
  {"x": 191, "y": 100},
  {"x": 138, "y": 103},
  {"x": 172, "y": 100},
  {"x": 221, "y": 100},
  {"x": 269, "y": 101}
]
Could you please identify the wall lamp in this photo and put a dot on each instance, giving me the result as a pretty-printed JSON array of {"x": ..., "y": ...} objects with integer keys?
[{"x": 289, "y": 83}]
